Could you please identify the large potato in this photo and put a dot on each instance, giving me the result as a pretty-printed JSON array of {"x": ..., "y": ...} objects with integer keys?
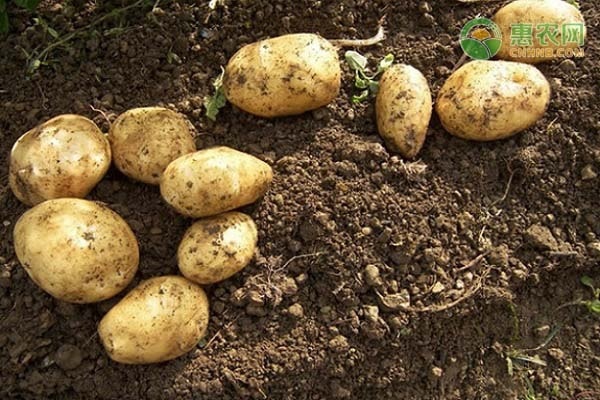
[
  {"x": 215, "y": 248},
  {"x": 286, "y": 75},
  {"x": 522, "y": 14},
  {"x": 77, "y": 250},
  {"x": 489, "y": 100},
  {"x": 403, "y": 109},
  {"x": 65, "y": 156},
  {"x": 160, "y": 319},
  {"x": 215, "y": 180},
  {"x": 145, "y": 140}
]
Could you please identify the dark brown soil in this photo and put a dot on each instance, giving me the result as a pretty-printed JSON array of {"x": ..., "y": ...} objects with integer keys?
[{"x": 308, "y": 319}]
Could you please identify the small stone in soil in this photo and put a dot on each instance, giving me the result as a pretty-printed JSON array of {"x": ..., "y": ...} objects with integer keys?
[
  {"x": 588, "y": 173},
  {"x": 594, "y": 249},
  {"x": 68, "y": 357},
  {"x": 296, "y": 310}
]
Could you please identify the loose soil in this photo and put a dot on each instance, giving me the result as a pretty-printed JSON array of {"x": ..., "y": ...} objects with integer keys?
[{"x": 361, "y": 254}]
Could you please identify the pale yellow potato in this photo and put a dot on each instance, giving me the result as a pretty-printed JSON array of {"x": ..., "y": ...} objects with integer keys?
[
  {"x": 77, "y": 250},
  {"x": 403, "y": 109},
  {"x": 215, "y": 248},
  {"x": 145, "y": 140},
  {"x": 285, "y": 75},
  {"x": 65, "y": 156},
  {"x": 160, "y": 319},
  {"x": 535, "y": 12},
  {"x": 489, "y": 100},
  {"x": 212, "y": 181}
]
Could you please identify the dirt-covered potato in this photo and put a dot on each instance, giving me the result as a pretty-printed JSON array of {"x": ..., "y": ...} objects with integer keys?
[
  {"x": 489, "y": 100},
  {"x": 77, "y": 250},
  {"x": 403, "y": 109},
  {"x": 160, "y": 319},
  {"x": 286, "y": 75},
  {"x": 145, "y": 140},
  {"x": 65, "y": 156},
  {"x": 215, "y": 248},
  {"x": 536, "y": 27},
  {"x": 215, "y": 180}
]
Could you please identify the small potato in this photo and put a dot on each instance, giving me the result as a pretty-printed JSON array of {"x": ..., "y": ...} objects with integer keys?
[
  {"x": 145, "y": 140},
  {"x": 76, "y": 250},
  {"x": 489, "y": 100},
  {"x": 536, "y": 14},
  {"x": 160, "y": 319},
  {"x": 286, "y": 75},
  {"x": 215, "y": 248},
  {"x": 65, "y": 156},
  {"x": 215, "y": 180},
  {"x": 403, "y": 109}
]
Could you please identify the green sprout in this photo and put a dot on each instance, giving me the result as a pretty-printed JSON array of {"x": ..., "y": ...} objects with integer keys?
[
  {"x": 29, "y": 5},
  {"x": 218, "y": 100},
  {"x": 368, "y": 84},
  {"x": 592, "y": 305}
]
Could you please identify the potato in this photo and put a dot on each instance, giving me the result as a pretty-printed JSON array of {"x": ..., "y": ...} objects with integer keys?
[
  {"x": 215, "y": 248},
  {"x": 489, "y": 100},
  {"x": 65, "y": 156},
  {"x": 76, "y": 250},
  {"x": 215, "y": 180},
  {"x": 403, "y": 109},
  {"x": 145, "y": 140},
  {"x": 286, "y": 75},
  {"x": 160, "y": 319},
  {"x": 533, "y": 13}
]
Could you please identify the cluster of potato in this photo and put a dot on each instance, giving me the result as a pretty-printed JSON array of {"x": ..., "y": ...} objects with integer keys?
[
  {"x": 483, "y": 100},
  {"x": 81, "y": 251}
]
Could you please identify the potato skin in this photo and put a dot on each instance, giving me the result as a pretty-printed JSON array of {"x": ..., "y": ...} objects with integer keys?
[
  {"x": 77, "y": 250},
  {"x": 160, "y": 319},
  {"x": 213, "y": 249},
  {"x": 286, "y": 75},
  {"x": 65, "y": 156},
  {"x": 215, "y": 180},
  {"x": 534, "y": 12},
  {"x": 489, "y": 100},
  {"x": 145, "y": 140},
  {"x": 403, "y": 109}
]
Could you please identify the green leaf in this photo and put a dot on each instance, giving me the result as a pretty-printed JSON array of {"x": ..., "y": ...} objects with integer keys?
[
  {"x": 593, "y": 306},
  {"x": 218, "y": 100},
  {"x": 28, "y": 4},
  {"x": 355, "y": 60},
  {"x": 587, "y": 281},
  {"x": 3, "y": 21},
  {"x": 361, "y": 97},
  {"x": 385, "y": 63},
  {"x": 52, "y": 32},
  {"x": 360, "y": 81}
]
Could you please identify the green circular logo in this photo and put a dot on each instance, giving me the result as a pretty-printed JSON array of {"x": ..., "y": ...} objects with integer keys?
[{"x": 481, "y": 39}]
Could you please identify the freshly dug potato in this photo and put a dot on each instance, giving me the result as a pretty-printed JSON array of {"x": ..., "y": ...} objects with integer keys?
[
  {"x": 403, "y": 109},
  {"x": 533, "y": 13},
  {"x": 286, "y": 75},
  {"x": 215, "y": 180},
  {"x": 160, "y": 319},
  {"x": 215, "y": 248},
  {"x": 489, "y": 100},
  {"x": 65, "y": 156},
  {"x": 145, "y": 140},
  {"x": 76, "y": 250}
]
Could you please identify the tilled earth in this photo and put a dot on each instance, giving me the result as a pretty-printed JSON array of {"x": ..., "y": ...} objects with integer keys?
[{"x": 376, "y": 278}]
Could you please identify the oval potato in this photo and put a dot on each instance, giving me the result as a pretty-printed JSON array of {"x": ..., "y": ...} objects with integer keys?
[
  {"x": 215, "y": 248},
  {"x": 403, "y": 109},
  {"x": 160, "y": 319},
  {"x": 286, "y": 75},
  {"x": 145, "y": 140},
  {"x": 77, "y": 250},
  {"x": 533, "y": 13},
  {"x": 215, "y": 180},
  {"x": 489, "y": 100},
  {"x": 65, "y": 156}
]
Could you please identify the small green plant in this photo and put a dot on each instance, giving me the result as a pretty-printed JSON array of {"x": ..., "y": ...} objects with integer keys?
[
  {"x": 29, "y": 5},
  {"x": 573, "y": 3},
  {"x": 218, "y": 100},
  {"x": 530, "y": 392},
  {"x": 368, "y": 84},
  {"x": 592, "y": 305}
]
